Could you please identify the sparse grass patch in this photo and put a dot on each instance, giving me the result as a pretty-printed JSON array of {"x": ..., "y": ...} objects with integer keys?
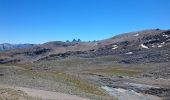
[
  {"x": 82, "y": 85},
  {"x": 27, "y": 66},
  {"x": 11, "y": 94},
  {"x": 117, "y": 71},
  {"x": 73, "y": 62},
  {"x": 69, "y": 80},
  {"x": 108, "y": 58}
]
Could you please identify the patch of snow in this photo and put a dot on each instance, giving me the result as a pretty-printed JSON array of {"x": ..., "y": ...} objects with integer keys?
[
  {"x": 162, "y": 43},
  {"x": 144, "y": 46},
  {"x": 168, "y": 40},
  {"x": 121, "y": 90},
  {"x": 128, "y": 53},
  {"x": 167, "y": 36},
  {"x": 136, "y": 35},
  {"x": 159, "y": 46},
  {"x": 107, "y": 88},
  {"x": 115, "y": 47},
  {"x": 153, "y": 46}
]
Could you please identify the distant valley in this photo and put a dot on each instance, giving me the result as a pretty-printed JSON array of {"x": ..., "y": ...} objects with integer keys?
[{"x": 7, "y": 46}]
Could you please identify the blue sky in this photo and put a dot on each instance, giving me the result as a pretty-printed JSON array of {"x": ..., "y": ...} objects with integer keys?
[{"x": 39, "y": 21}]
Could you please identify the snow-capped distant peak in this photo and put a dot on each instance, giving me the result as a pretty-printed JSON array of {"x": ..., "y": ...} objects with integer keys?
[{"x": 144, "y": 46}]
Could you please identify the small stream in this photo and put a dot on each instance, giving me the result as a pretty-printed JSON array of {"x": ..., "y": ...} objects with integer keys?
[{"x": 123, "y": 94}]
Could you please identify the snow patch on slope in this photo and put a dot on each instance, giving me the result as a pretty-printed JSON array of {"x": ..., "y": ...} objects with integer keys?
[
  {"x": 167, "y": 36},
  {"x": 128, "y": 53},
  {"x": 115, "y": 47},
  {"x": 136, "y": 35},
  {"x": 168, "y": 40},
  {"x": 144, "y": 46}
]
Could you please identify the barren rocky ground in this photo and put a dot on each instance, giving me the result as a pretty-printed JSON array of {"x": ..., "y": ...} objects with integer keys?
[
  {"x": 21, "y": 93},
  {"x": 129, "y": 66}
]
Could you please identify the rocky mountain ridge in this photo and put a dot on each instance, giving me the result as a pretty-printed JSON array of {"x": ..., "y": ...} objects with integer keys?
[{"x": 134, "y": 47}]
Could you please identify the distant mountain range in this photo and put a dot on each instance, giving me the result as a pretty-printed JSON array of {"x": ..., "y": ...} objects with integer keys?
[{"x": 7, "y": 46}]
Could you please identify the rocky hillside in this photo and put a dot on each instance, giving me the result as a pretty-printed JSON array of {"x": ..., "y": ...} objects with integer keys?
[{"x": 135, "y": 47}]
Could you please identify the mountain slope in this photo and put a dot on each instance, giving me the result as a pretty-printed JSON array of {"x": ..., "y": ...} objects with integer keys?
[
  {"x": 135, "y": 63},
  {"x": 135, "y": 47}
]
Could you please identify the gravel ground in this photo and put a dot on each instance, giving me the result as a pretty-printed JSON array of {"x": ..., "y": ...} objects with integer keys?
[{"x": 44, "y": 95}]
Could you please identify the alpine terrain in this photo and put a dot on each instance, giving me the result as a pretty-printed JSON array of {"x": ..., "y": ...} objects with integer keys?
[{"x": 129, "y": 66}]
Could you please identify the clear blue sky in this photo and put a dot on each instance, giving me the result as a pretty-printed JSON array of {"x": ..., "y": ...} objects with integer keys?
[{"x": 39, "y": 21}]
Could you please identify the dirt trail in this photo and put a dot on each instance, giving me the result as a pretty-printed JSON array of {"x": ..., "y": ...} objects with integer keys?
[{"x": 45, "y": 94}]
